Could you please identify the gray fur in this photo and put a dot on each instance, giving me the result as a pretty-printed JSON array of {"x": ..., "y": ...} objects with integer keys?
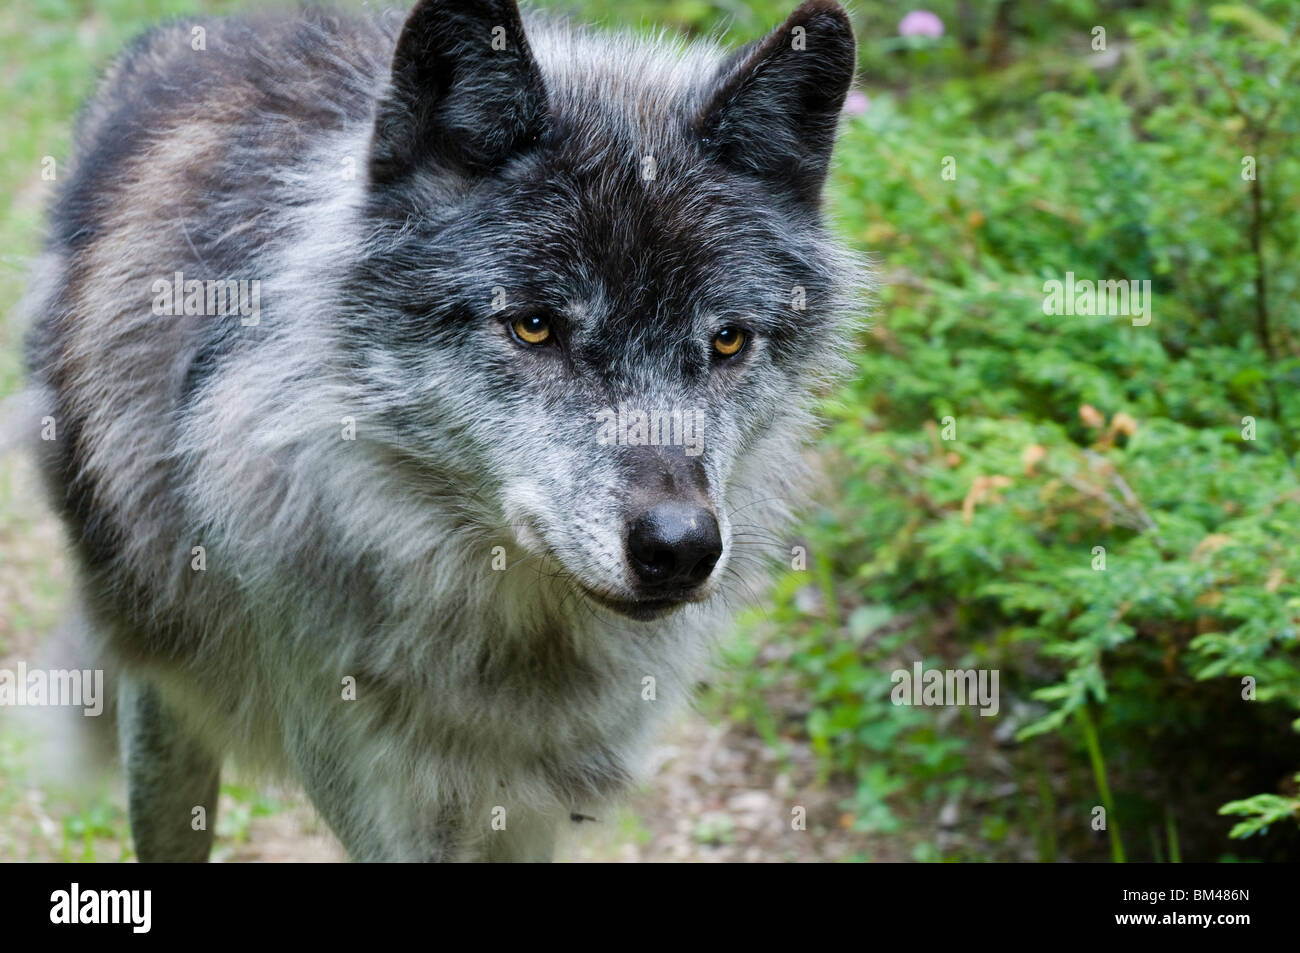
[{"x": 372, "y": 558}]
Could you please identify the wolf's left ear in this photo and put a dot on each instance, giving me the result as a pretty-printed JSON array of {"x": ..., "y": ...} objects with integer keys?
[
  {"x": 465, "y": 90},
  {"x": 775, "y": 107}
]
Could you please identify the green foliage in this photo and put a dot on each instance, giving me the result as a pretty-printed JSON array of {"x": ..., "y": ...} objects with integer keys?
[
  {"x": 973, "y": 541},
  {"x": 1261, "y": 811}
]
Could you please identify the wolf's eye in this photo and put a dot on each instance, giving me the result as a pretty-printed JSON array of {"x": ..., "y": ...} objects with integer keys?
[
  {"x": 532, "y": 330},
  {"x": 728, "y": 342}
]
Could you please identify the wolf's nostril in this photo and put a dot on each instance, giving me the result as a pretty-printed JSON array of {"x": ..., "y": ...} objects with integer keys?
[{"x": 673, "y": 545}]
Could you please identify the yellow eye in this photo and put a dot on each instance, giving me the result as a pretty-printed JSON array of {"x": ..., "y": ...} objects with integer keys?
[
  {"x": 532, "y": 330},
  {"x": 729, "y": 341}
]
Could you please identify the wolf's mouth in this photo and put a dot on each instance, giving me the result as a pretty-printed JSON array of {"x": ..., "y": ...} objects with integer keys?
[{"x": 642, "y": 610}]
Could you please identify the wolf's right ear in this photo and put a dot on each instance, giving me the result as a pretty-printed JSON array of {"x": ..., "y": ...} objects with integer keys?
[{"x": 465, "y": 90}]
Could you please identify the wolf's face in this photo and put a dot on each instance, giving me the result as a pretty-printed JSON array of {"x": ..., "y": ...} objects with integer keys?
[{"x": 604, "y": 301}]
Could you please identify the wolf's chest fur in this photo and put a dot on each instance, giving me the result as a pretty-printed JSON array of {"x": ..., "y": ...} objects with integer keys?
[{"x": 362, "y": 526}]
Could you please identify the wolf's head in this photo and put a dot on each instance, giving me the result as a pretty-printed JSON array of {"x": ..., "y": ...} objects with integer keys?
[{"x": 597, "y": 290}]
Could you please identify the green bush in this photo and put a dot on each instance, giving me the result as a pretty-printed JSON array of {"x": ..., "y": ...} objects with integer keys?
[{"x": 989, "y": 459}]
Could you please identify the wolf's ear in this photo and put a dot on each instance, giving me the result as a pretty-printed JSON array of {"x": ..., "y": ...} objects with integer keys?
[
  {"x": 465, "y": 89},
  {"x": 776, "y": 103}
]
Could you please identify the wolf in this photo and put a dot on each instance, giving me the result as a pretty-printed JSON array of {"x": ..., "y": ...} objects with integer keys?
[{"x": 374, "y": 537}]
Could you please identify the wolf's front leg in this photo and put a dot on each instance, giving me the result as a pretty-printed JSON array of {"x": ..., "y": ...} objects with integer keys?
[{"x": 170, "y": 776}]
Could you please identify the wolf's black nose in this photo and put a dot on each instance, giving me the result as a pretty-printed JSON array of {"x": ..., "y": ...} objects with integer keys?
[{"x": 673, "y": 545}]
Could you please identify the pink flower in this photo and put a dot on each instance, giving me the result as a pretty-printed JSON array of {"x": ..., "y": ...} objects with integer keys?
[
  {"x": 856, "y": 103},
  {"x": 920, "y": 23}
]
